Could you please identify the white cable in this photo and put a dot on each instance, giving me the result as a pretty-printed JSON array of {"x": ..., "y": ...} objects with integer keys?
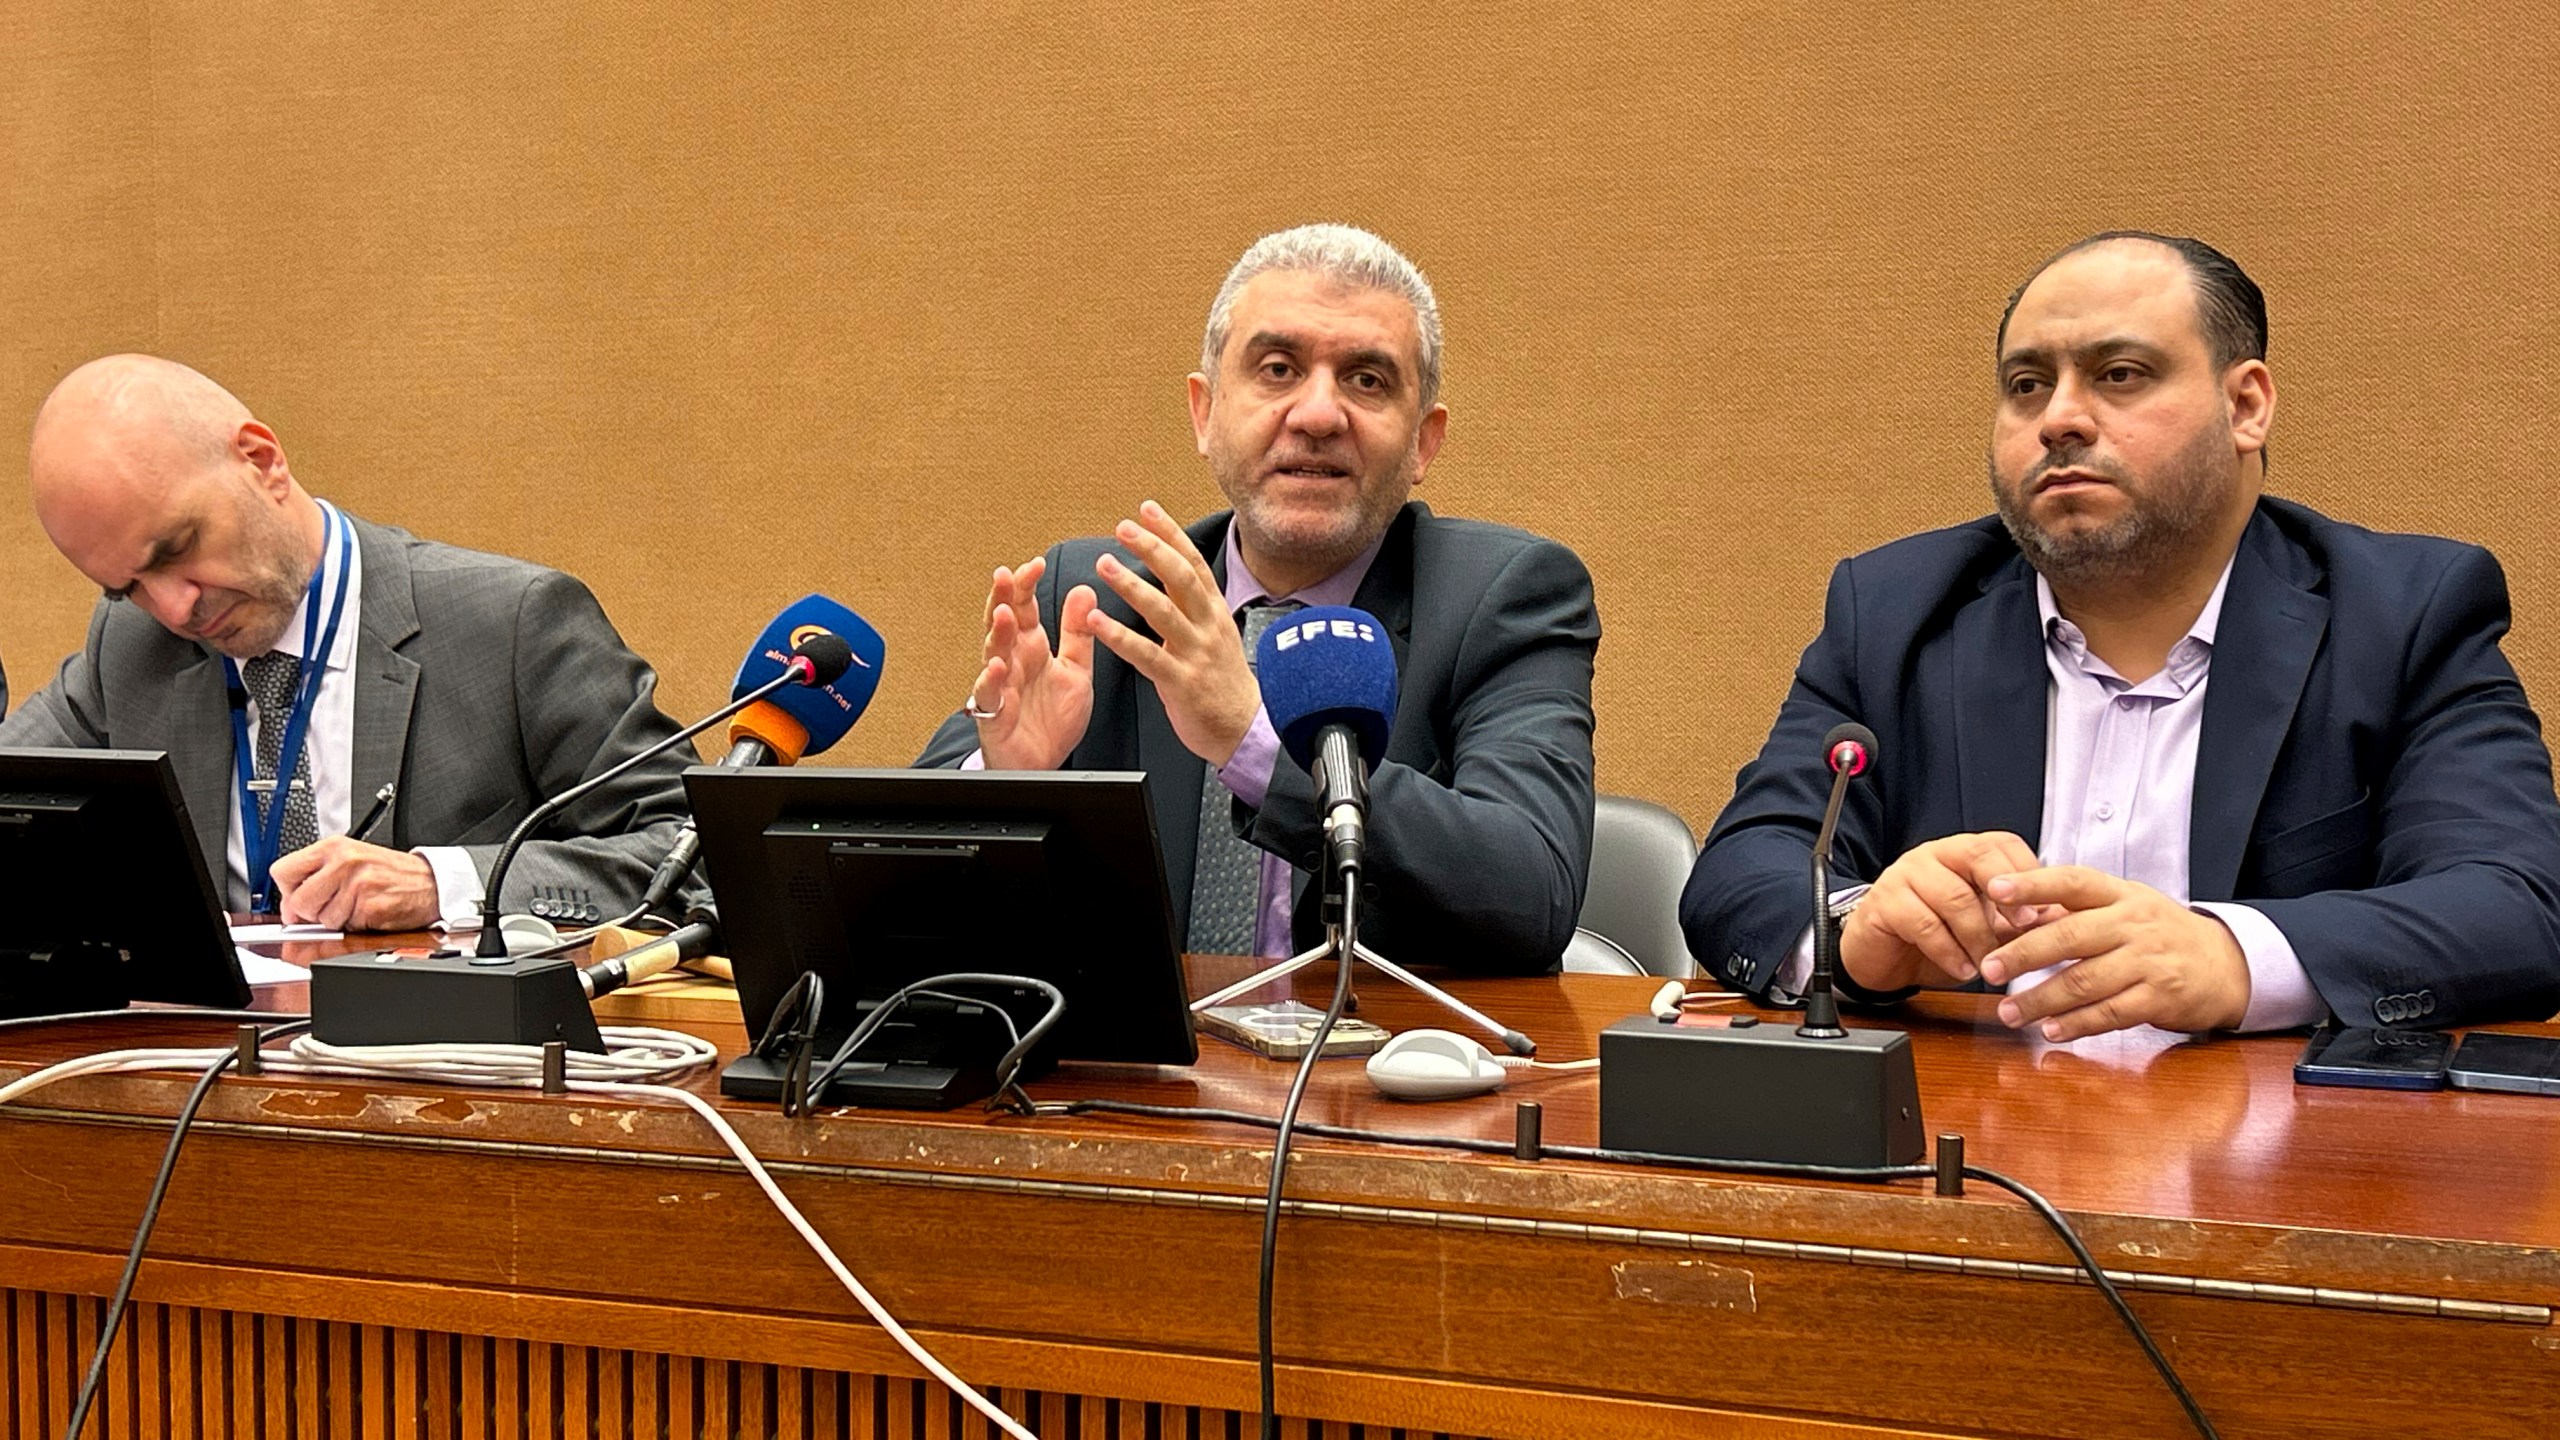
[
  {"x": 791, "y": 1213},
  {"x": 634, "y": 1056},
  {"x": 1516, "y": 1062}
]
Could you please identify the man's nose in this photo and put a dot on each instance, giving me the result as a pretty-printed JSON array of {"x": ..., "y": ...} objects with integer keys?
[
  {"x": 2068, "y": 418},
  {"x": 168, "y": 599},
  {"x": 1318, "y": 407}
]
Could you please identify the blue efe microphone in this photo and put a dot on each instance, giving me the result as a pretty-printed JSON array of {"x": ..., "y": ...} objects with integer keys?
[
  {"x": 1328, "y": 677},
  {"x": 798, "y": 721}
]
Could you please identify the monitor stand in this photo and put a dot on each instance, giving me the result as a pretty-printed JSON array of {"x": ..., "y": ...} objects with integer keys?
[{"x": 933, "y": 1057}]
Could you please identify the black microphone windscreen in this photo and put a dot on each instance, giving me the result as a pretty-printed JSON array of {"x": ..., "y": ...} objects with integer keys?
[
  {"x": 828, "y": 653},
  {"x": 1853, "y": 733}
]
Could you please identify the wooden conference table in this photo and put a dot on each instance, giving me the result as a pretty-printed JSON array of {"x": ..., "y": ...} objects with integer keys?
[{"x": 377, "y": 1260}]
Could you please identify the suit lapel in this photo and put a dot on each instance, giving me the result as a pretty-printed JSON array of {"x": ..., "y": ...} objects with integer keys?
[
  {"x": 386, "y": 681},
  {"x": 1173, "y": 772},
  {"x": 196, "y": 731},
  {"x": 1387, "y": 590},
  {"x": 2000, "y": 702},
  {"x": 2270, "y": 630}
]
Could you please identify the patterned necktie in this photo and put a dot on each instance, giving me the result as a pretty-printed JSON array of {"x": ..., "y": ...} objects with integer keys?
[
  {"x": 272, "y": 680},
  {"x": 1226, "y": 869}
]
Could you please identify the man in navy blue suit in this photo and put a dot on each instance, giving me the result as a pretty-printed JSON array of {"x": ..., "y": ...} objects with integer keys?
[{"x": 2154, "y": 748}]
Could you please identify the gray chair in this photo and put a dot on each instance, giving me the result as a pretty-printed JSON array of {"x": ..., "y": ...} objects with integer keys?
[{"x": 1630, "y": 923}]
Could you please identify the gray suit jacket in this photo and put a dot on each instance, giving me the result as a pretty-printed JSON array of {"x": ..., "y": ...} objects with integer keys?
[
  {"x": 483, "y": 685},
  {"x": 1480, "y": 814}
]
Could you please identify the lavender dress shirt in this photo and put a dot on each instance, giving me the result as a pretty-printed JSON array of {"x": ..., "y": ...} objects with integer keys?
[{"x": 2119, "y": 796}]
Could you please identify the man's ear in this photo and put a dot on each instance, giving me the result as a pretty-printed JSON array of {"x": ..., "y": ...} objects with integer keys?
[
  {"x": 1427, "y": 439},
  {"x": 257, "y": 445},
  {"x": 2250, "y": 388},
  {"x": 1202, "y": 397}
]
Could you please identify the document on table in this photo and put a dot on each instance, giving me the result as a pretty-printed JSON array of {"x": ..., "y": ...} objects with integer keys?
[
  {"x": 271, "y": 934},
  {"x": 260, "y": 969}
]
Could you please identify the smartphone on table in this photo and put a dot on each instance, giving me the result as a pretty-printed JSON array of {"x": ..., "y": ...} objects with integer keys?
[
  {"x": 2523, "y": 1064},
  {"x": 2377, "y": 1058}
]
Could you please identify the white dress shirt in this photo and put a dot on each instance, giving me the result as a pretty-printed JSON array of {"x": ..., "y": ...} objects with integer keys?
[{"x": 330, "y": 741}]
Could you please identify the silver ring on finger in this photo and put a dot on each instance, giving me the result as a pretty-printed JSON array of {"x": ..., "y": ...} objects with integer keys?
[{"x": 969, "y": 707}]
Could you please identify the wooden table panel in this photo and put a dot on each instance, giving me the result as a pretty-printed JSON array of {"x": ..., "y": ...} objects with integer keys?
[{"x": 576, "y": 1261}]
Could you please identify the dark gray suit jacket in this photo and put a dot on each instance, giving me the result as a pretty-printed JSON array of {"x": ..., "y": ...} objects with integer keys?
[
  {"x": 483, "y": 685},
  {"x": 1480, "y": 814}
]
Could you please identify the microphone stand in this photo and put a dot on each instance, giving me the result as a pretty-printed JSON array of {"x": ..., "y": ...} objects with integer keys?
[
  {"x": 1342, "y": 941},
  {"x": 493, "y": 944},
  {"x": 1821, "y": 1006}
]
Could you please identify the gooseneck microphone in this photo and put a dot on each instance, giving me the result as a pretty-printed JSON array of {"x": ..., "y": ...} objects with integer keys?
[
  {"x": 816, "y": 660},
  {"x": 1328, "y": 677},
  {"x": 1849, "y": 749},
  {"x": 787, "y": 727},
  {"x": 1672, "y": 1086}
]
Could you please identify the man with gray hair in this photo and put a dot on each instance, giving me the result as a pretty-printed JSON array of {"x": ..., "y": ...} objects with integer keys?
[{"x": 1317, "y": 407}]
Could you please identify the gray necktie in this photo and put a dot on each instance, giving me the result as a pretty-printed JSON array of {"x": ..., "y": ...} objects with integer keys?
[
  {"x": 1226, "y": 870},
  {"x": 272, "y": 680}
]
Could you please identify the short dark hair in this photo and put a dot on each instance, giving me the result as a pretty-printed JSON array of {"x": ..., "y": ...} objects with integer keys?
[{"x": 2229, "y": 305}]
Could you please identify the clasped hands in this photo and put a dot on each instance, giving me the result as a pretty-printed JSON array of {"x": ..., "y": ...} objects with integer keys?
[
  {"x": 1034, "y": 703},
  {"x": 1970, "y": 905}
]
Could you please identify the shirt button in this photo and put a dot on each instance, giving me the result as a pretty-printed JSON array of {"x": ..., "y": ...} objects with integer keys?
[{"x": 2106, "y": 811}]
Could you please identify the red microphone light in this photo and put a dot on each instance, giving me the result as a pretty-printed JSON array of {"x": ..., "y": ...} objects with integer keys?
[{"x": 1849, "y": 758}]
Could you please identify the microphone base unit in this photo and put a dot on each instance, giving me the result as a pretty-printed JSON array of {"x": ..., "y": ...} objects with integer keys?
[
  {"x": 410, "y": 997},
  {"x": 1759, "y": 1092}
]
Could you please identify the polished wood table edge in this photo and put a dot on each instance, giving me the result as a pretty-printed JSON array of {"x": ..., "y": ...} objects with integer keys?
[
  {"x": 1660, "y": 1205},
  {"x": 852, "y": 1344}
]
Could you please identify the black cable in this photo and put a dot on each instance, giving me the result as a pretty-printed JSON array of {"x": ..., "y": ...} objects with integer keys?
[
  {"x": 1867, "y": 1174},
  {"x": 151, "y": 1218},
  {"x": 1280, "y": 1158},
  {"x": 2107, "y": 1287},
  {"x": 173, "y": 1012},
  {"x": 1006, "y": 1067}
]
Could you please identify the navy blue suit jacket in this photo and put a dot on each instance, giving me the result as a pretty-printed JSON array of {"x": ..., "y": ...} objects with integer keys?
[{"x": 2369, "y": 775}]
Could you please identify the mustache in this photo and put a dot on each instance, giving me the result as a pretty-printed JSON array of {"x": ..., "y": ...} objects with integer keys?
[
  {"x": 1309, "y": 459},
  {"x": 2070, "y": 457}
]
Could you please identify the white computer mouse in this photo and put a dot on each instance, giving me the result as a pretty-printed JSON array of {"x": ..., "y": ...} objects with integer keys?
[{"x": 1434, "y": 1065}]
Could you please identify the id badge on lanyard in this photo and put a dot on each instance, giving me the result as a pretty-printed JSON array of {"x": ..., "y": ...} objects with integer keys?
[{"x": 262, "y": 822}]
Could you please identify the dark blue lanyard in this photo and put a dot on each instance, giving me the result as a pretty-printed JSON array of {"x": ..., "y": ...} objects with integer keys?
[{"x": 262, "y": 826}]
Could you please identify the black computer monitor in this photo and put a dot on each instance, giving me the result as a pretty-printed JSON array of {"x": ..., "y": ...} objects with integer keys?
[
  {"x": 109, "y": 900},
  {"x": 874, "y": 879}
]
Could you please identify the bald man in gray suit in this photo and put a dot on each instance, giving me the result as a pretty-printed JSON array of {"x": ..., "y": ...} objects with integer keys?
[{"x": 467, "y": 687}]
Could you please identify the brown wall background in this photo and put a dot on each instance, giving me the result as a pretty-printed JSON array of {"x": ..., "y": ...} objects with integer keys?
[{"x": 714, "y": 304}]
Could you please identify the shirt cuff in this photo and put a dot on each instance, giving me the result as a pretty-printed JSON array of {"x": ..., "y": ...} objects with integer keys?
[
  {"x": 1797, "y": 968},
  {"x": 458, "y": 888},
  {"x": 977, "y": 761},
  {"x": 2281, "y": 996},
  {"x": 1247, "y": 773}
]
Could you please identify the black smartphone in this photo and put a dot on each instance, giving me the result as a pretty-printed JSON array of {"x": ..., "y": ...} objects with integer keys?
[
  {"x": 2378, "y": 1059},
  {"x": 2525, "y": 1064}
]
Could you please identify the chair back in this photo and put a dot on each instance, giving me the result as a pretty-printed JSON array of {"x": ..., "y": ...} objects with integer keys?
[{"x": 1641, "y": 854}]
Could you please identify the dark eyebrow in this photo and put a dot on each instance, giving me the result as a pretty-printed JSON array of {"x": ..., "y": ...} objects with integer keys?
[
  {"x": 2108, "y": 346},
  {"x": 1377, "y": 360},
  {"x": 1274, "y": 340}
]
